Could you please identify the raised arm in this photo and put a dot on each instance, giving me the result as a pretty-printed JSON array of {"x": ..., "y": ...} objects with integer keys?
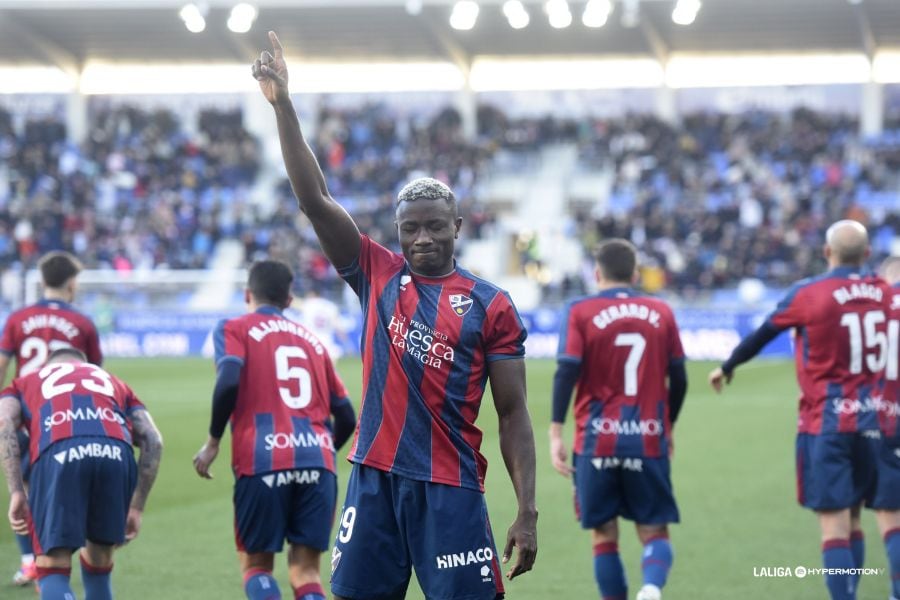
[
  {"x": 149, "y": 440},
  {"x": 10, "y": 455},
  {"x": 334, "y": 227},
  {"x": 507, "y": 379}
]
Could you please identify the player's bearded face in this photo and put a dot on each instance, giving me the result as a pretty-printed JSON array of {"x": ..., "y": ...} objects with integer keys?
[{"x": 428, "y": 230}]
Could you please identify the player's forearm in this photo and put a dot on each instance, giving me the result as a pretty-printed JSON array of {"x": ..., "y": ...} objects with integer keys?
[
  {"x": 10, "y": 455},
  {"x": 750, "y": 346},
  {"x": 303, "y": 169},
  {"x": 564, "y": 380},
  {"x": 678, "y": 384},
  {"x": 335, "y": 229},
  {"x": 149, "y": 440},
  {"x": 224, "y": 397},
  {"x": 517, "y": 447}
]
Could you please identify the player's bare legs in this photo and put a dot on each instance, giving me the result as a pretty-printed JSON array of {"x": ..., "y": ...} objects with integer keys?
[
  {"x": 608, "y": 569},
  {"x": 889, "y": 526},
  {"x": 656, "y": 560},
  {"x": 303, "y": 570},
  {"x": 836, "y": 553},
  {"x": 257, "y": 569}
]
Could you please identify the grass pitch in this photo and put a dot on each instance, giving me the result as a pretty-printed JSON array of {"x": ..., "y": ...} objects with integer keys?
[{"x": 733, "y": 474}]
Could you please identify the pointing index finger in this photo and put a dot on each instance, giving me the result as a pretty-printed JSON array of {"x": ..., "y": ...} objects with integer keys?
[{"x": 276, "y": 45}]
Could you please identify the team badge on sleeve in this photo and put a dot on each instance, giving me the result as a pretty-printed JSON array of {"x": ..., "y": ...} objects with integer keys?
[{"x": 460, "y": 303}]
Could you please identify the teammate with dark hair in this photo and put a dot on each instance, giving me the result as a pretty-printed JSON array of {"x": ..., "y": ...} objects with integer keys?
[
  {"x": 277, "y": 385},
  {"x": 618, "y": 347}
]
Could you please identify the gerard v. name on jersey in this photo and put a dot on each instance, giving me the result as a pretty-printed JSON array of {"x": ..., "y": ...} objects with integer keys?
[
  {"x": 420, "y": 341},
  {"x": 626, "y": 310},
  {"x": 61, "y": 417},
  {"x": 44, "y": 321}
]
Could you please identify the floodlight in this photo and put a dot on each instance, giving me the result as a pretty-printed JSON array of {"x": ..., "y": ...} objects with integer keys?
[
  {"x": 193, "y": 17},
  {"x": 596, "y": 13},
  {"x": 685, "y": 11},
  {"x": 464, "y": 15},
  {"x": 558, "y": 13},
  {"x": 241, "y": 18},
  {"x": 516, "y": 14}
]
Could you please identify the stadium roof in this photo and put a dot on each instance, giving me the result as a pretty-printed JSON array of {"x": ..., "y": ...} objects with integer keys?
[{"x": 69, "y": 33}]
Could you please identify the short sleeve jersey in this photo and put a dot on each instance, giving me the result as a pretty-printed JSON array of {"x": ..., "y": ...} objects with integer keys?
[
  {"x": 33, "y": 332},
  {"x": 427, "y": 343},
  {"x": 624, "y": 342},
  {"x": 67, "y": 400},
  {"x": 286, "y": 390},
  {"x": 839, "y": 320}
]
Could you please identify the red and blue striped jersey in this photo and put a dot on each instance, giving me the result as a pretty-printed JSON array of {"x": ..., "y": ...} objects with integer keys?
[
  {"x": 624, "y": 341},
  {"x": 33, "y": 332},
  {"x": 73, "y": 399},
  {"x": 840, "y": 348},
  {"x": 426, "y": 345},
  {"x": 285, "y": 394},
  {"x": 889, "y": 410}
]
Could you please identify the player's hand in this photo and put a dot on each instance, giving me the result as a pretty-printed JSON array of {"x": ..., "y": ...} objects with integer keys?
[
  {"x": 133, "y": 524},
  {"x": 271, "y": 72},
  {"x": 718, "y": 377},
  {"x": 522, "y": 535},
  {"x": 559, "y": 456},
  {"x": 205, "y": 457},
  {"x": 18, "y": 513}
]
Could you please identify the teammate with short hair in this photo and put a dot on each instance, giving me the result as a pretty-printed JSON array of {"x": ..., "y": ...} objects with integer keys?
[
  {"x": 619, "y": 346},
  {"x": 839, "y": 320},
  {"x": 433, "y": 335},
  {"x": 277, "y": 385},
  {"x": 886, "y": 500},
  {"x": 30, "y": 334},
  {"x": 86, "y": 490}
]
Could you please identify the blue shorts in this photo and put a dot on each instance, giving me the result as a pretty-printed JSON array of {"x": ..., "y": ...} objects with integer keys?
[
  {"x": 391, "y": 524},
  {"x": 25, "y": 452},
  {"x": 80, "y": 490},
  {"x": 296, "y": 505},
  {"x": 886, "y": 495},
  {"x": 637, "y": 489},
  {"x": 836, "y": 470}
]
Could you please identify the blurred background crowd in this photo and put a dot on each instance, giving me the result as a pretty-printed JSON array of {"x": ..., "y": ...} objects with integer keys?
[{"x": 709, "y": 202}]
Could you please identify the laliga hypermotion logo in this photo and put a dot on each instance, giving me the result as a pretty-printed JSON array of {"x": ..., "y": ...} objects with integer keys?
[{"x": 460, "y": 303}]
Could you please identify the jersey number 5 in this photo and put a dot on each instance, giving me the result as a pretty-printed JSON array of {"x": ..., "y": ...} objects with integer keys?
[{"x": 286, "y": 373}]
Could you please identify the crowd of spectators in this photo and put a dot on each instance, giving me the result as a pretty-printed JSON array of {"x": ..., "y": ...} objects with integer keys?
[
  {"x": 138, "y": 194},
  {"x": 722, "y": 198},
  {"x": 710, "y": 202}
]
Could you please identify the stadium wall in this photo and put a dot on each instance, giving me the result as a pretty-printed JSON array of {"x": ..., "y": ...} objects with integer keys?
[{"x": 707, "y": 334}]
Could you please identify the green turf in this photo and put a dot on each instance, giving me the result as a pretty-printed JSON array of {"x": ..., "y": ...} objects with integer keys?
[{"x": 733, "y": 473}]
